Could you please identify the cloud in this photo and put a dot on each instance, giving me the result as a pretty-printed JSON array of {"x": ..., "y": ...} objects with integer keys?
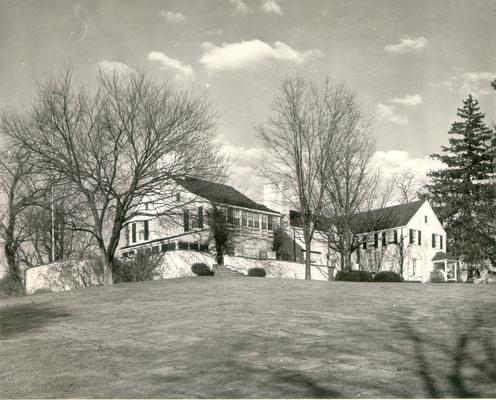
[
  {"x": 246, "y": 54},
  {"x": 117, "y": 67},
  {"x": 240, "y": 7},
  {"x": 387, "y": 113},
  {"x": 407, "y": 45},
  {"x": 394, "y": 162},
  {"x": 477, "y": 83},
  {"x": 270, "y": 6},
  {"x": 408, "y": 100},
  {"x": 182, "y": 71},
  {"x": 173, "y": 17}
]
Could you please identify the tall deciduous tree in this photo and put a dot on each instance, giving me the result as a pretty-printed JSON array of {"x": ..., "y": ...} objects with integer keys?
[
  {"x": 21, "y": 188},
  {"x": 129, "y": 139},
  {"x": 464, "y": 191},
  {"x": 300, "y": 141}
]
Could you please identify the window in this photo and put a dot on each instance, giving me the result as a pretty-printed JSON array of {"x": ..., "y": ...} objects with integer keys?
[
  {"x": 264, "y": 221},
  {"x": 383, "y": 235},
  {"x": 250, "y": 220},
  {"x": 186, "y": 220},
  {"x": 376, "y": 239},
  {"x": 414, "y": 267},
  {"x": 256, "y": 220},
  {"x": 178, "y": 197},
  {"x": 415, "y": 237},
  {"x": 243, "y": 218},
  {"x": 434, "y": 240},
  {"x": 425, "y": 218},
  {"x": 236, "y": 217},
  {"x": 230, "y": 215},
  {"x": 364, "y": 244},
  {"x": 143, "y": 232},
  {"x": 441, "y": 241},
  {"x": 269, "y": 223},
  {"x": 395, "y": 237}
]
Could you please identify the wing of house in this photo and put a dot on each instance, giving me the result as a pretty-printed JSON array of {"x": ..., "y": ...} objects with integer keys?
[
  {"x": 407, "y": 238},
  {"x": 252, "y": 223}
]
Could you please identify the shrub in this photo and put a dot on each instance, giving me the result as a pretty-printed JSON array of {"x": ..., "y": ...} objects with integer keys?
[
  {"x": 387, "y": 276},
  {"x": 260, "y": 272},
  {"x": 9, "y": 287},
  {"x": 437, "y": 277},
  {"x": 354, "y": 276},
  {"x": 142, "y": 267},
  {"x": 42, "y": 290},
  {"x": 201, "y": 269}
]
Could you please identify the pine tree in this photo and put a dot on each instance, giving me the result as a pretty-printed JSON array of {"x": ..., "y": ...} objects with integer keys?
[{"x": 464, "y": 191}]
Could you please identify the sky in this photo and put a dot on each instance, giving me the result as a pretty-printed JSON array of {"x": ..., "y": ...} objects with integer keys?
[{"x": 411, "y": 63}]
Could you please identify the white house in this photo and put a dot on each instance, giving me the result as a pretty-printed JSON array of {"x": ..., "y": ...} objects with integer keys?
[
  {"x": 407, "y": 237},
  {"x": 186, "y": 228}
]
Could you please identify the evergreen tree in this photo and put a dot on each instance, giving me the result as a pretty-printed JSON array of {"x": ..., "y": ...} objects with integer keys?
[{"x": 464, "y": 191}]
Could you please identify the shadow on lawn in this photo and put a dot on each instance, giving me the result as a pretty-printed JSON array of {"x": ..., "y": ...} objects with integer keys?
[
  {"x": 469, "y": 367},
  {"x": 21, "y": 318}
]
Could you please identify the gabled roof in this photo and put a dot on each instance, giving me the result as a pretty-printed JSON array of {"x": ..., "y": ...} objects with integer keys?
[
  {"x": 219, "y": 193},
  {"x": 389, "y": 217},
  {"x": 370, "y": 221},
  {"x": 442, "y": 256}
]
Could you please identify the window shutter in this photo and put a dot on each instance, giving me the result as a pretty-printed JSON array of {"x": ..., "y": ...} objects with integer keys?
[
  {"x": 186, "y": 220},
  {"x": 133, "y": 233},
  {"x": 384, "y": 239},
  {"x": 145, "y": 227},
  {"x": 411, "y": 236},
  {"x": 200, "y": 217},
  {"x": 395, "y": 239},
  {"x": 441, "y": 241},
  {"x": 419, "y": 237},
  {"x": 376, "y": 239},
  {"x": 433, "y": 240},
  {"x": 230, "y": 215}
]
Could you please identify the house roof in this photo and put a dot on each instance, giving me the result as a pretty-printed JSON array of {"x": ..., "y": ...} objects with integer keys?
[
  {"x": 442, "y": 256},
  {"x": 220, "y": 193},
  {"x": 370, "y": 221},
  {"x": 389, "y": 217}
]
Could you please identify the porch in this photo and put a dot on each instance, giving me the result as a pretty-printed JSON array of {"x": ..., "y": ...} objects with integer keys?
[{"x": 447, "y": 265}]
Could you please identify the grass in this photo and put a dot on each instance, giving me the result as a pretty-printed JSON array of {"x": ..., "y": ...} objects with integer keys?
[{"x": 219, "y": 337}]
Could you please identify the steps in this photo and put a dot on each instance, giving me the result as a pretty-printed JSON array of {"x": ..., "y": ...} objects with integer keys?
[{"x": 222, "y": 270}]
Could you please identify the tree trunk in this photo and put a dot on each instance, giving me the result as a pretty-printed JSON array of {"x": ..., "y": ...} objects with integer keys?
[
  {"x": 13, "y": 268},
  {"x": 107, "y": 267},
  {"x": 308, "y": 253}
]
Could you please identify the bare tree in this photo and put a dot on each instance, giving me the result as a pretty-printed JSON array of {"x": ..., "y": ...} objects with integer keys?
[
  {"x": 300, "y": 140},
  {"x": 353, "y": 187},
  {"x": 408, "y": 185},
  {"x": 21, "y": 188},
  {"x": 127, "y": 140}
]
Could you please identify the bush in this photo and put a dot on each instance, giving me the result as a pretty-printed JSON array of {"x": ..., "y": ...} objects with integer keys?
[
  {"x": 437, "y": 277},
  {"x": 42, "y": 290},
  {"x": 9, "y": 287},
  {"x": 201, "y": 269},
  {"x": 260, "y": 272},
  {"x": 354, "y": 276},
  {"x": 142, "y": 267},
  {"x": 387, "y": 276}
]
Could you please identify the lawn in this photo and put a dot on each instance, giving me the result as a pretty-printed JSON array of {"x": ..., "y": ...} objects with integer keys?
[{"x": 220, "y": 337}]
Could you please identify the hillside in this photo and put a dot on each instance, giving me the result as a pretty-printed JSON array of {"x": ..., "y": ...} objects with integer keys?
[{"x": 250, "y": 337}]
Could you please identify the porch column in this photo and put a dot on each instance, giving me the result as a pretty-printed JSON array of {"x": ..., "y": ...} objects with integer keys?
[
  {"x": 446, "y": 270},
  {"x": 456, "y": 273}
]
